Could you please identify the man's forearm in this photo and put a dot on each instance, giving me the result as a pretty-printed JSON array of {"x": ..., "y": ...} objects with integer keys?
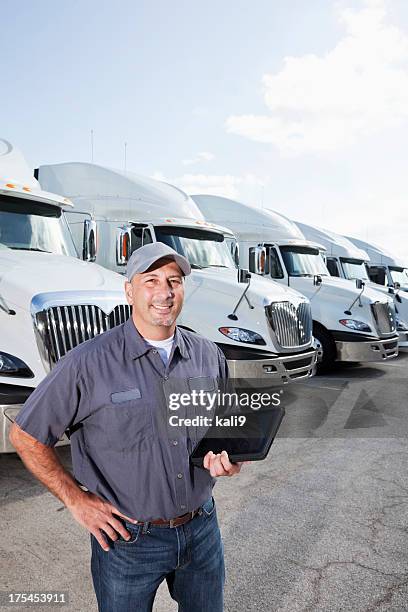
[
  {"x": 43, "y": 462},
  {"x": 92, "y": 512}
]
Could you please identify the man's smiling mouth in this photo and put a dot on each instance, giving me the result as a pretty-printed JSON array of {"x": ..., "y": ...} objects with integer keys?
[{"x": 162, "y": 308}]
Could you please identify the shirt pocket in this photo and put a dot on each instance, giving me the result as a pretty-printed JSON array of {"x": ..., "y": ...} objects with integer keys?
[
  {"x": 202, "y": 383},
  {"x": 122, "y": 422}
]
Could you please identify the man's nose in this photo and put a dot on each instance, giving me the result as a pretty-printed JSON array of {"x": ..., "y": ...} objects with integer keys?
[{"x": 165, "y": 289}]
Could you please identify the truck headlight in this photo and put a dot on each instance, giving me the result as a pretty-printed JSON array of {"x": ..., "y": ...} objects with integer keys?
[
  {"x": 13, "y": 366},
  {"x": 242, "y": 335},
  {"x": 401, "y": 325},
  {"x": 357, "y": 325}
]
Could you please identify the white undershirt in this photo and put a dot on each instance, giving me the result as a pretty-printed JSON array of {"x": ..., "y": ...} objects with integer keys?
[{"x": 163, "y": 346}]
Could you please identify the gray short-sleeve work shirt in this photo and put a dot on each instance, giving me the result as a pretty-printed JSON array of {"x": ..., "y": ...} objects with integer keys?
[{"x": 110, "y": 392}]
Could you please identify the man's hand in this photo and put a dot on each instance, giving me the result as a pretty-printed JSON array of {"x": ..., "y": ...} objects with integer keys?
[
  {"x": 220, "y": 465},
  {"x": 95, "y": 514},
  {"x": 88, "y": 509}
]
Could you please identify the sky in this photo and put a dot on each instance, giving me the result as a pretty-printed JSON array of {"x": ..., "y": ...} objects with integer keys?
[{"x": 291, "y": 105}]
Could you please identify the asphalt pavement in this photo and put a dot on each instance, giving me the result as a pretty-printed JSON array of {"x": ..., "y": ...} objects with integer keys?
[{"x": 320, "y": 525}]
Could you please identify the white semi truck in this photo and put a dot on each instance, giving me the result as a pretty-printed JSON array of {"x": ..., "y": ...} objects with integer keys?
[
  {"x": 264, "y": 330},
  {"x": 50, "y": 301},
  {"x": 383, "y": 268},
  {"x": 345, "y": 260},
  {"x": 352, "y": 323}
]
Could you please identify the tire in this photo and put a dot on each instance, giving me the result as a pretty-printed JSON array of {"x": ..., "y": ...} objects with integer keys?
[{"x": 329, "y": 349}]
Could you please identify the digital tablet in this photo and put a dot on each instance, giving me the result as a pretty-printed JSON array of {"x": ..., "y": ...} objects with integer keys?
[{"x": 248, "y": 443}]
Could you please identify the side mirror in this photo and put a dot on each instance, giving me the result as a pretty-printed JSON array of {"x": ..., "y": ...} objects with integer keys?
[
  {"x": 123, "y": 245},
  {"x": 317, "y": 280},
  {"x": 359, "y": 283},
  {"x": 243, "y": 275},
  {"x": 258, "y": 260},
  {"x": 89, "y": 243},
  {"x": 397, "y": 285}
]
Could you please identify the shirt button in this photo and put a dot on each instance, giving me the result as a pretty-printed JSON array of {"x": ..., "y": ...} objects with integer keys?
[
  {"x": 182, "y": 506},
  {"x": 154, "y": 351},
  {"x": 174, "y": 442},
  {"x": 166, "y": 378},
  {"x": 179, "y": 475}
]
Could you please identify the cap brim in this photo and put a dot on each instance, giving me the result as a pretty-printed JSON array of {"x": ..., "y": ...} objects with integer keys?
[{"x": 178, "y": 259}]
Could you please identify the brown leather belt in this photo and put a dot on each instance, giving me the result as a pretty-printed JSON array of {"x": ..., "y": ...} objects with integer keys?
[{"x": 176, "y": 522}]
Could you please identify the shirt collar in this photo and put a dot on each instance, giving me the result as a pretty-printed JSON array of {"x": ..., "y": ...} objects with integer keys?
[{"x": 137, "y": 346}]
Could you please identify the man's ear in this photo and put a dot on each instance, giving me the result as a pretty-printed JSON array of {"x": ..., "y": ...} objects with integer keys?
[{"x": 129, "y": 293}]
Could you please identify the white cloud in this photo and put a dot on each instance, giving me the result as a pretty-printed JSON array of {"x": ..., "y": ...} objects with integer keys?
[
  {"x": 323, "y": 103},
  {"x": 203, "y": 156},
  {"x": 226, "y": 185},
  {"x": 362, "y": 215}
]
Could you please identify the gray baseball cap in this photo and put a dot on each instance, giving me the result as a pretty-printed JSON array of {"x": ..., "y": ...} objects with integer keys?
[{"x": 141, "y": 259}]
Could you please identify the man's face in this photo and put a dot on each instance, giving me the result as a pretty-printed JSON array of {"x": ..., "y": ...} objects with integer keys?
[{"x": 157, "y": 295}]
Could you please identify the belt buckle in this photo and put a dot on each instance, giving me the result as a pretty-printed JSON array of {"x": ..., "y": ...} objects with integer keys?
[{"x": 173, "y": 521}]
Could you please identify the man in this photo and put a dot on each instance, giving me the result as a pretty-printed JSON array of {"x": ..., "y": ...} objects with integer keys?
[{"x": 150, "y": 513}]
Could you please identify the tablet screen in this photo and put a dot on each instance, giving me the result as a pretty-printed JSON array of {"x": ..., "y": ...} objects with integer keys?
[{"x": 248, "y": 442}]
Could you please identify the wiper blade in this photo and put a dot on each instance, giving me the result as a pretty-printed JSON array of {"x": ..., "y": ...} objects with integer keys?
[
  {"x": 196, "y": 267},
  {"x": 29, "y": 249}
]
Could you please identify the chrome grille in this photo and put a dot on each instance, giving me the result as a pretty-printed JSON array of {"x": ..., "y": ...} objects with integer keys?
[
  {"x": 61, "y": 328},
  {"x": 384, "y": 316},
  {"x": 292, "y": 326}
]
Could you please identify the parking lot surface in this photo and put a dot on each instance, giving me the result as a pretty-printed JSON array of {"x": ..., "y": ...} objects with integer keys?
[{"x": 320, "y": 525}]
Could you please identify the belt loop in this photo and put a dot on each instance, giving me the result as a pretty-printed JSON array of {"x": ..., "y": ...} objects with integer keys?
[{"x": 145, "y": 527}]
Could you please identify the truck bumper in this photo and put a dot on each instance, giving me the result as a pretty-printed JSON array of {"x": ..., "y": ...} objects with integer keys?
[
  {"x": 403, "y": 342},
  {"x": 367, "y": 350},
  {"x": 8, "y": 413},
  {"x": 276, "y": 370}
]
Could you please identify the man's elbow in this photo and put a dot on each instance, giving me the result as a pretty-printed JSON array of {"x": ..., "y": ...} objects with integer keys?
[
  {"x": 20, "y": 439},
  {"x": 15, "y": 435}
]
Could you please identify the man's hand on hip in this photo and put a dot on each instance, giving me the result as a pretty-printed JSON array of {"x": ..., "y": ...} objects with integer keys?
[
  {"x": 220, "y": 465},
  {"x": 95, "y": 514},
  {"x": 88, "y": 509}
]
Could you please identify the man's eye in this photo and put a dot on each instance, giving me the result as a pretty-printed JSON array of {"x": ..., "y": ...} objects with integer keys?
[{"x": 175, "y": 281}]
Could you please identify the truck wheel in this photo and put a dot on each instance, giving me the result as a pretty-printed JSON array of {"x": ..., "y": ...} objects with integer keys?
[{"x": 328, "y": 348}]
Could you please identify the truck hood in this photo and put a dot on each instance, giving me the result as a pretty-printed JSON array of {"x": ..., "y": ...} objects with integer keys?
[
  {"x": 24, "y": 274},
  {"x": 339, "y": 289},
  {"x": 262, "y": 291},
  {"x": 400, "y": 300}
]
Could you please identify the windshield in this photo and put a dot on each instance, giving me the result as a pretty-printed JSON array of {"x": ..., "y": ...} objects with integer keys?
[
  {"x": 400, "y": 276},
  {"x": 202, "y": 248},
  {"x": 303, "y": 261},
  {"x": 33, "y": 226},
  {"x": 354, "y": 268}
]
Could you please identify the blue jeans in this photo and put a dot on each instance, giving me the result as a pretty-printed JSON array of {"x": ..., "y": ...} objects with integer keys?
[{"x": 189, "y": 557}]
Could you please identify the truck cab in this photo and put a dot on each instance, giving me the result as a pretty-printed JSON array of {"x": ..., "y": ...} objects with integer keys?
[
  {"x": 50, "y": 300},
  {"x": 352, "y": 322},
  {"x": 382, "y": 267},
  {"x": 264, "y": 330},
  {"x": 345, "y": 260}
]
